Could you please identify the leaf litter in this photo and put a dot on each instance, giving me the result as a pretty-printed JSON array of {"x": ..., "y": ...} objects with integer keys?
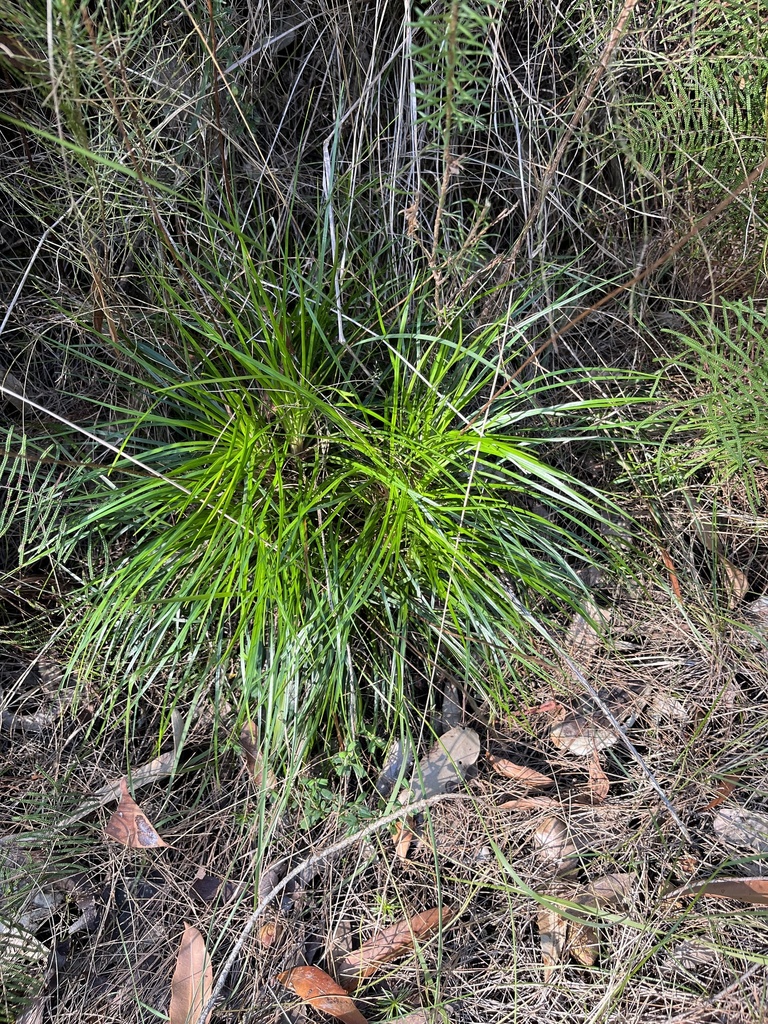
[
  {"x": 192, "y": 980},
  {"x": 562, "y": 842},
  {"x": 318, "y": 990},
  {"x": 389, "y": 944},
  {"x": 130, "y": 826}
]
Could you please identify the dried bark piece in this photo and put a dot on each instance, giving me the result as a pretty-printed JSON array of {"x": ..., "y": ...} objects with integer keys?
[
  {"x": 389, "y": 944},
  {"x": 130, "y": 826},
  {"x": 318, "y": 989}
]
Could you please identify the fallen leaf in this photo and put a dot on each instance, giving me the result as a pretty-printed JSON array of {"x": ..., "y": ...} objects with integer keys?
[
  {"x": 584, "y": 944},
  {"x": 155, "y": 769},
  {"x": 270, "y": 876},
  {"x": 758, "y": 611},
  {"x": 444, "y": 767},
  {"x": 584, "y": 729},
  {"x": 674, "y": 582},
  {"x": 743, "y": 829},
  {"x": 207, "y": 887},
  {"x": 531, "y": 803},
  {"x": 583, "y": 639},
  {"x": 320, "y": 991},
  {"x": 389, "y": 944},
  {"x": 580, "y": 735},
  {"x": 607, "y": 891},
  {"x": 725, "y": 788},
  {"x": 552, "y": 933},
  {"x": 748, "y": 890},
  {"x": 440, "y": 771},
  {"x": 693, "y": 956},
  {"x": 271, "y": 933},
  {"x": 559, "y": 845},
  {"x": 598, "y": 780},
  {"x": 130, "y": 826},
  {"x": 452, "y": 710},
  {"x": 663, "y": 706},
  {"x": 527, "y": 777},
  {"x": 192, "y": 980},
  {"x": 404, "y": 836},
  {"x": 736, "y": 583},
  {"x": 253, "y": 758}
]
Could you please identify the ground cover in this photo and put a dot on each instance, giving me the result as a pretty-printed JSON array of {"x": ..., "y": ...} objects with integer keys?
[{"x": 384, "y": 486}]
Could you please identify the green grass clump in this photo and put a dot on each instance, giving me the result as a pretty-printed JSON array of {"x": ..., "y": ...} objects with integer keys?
[{"x": 327, "y": 509}]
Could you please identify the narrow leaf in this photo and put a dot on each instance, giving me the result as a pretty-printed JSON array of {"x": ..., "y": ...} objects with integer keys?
[
  {"x": 748, "y": 890},
  {"x": 598, "y": 780},
  {"x": 192, "y": 980},
  {"x": 552, "y": 932},
  {"x": 389, "y": 944},
  {"x": 318, "y": 989},
  {"x": 527, "y": 777}
]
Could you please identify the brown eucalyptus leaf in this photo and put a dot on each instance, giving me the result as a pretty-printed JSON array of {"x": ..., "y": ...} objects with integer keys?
[
  {"x": 253, "y": 758},
  {"x": 737, "y": 827},
  {"x": 598, "y": 780},
  {"x": 444, "y": 767},
  {"x": 319, "y": 990},
  {"x": 527, "y": 777},
  {"x": 192, "y": 980},
  {"x": 605, "y": 892},
  {"x": 559, "y": 844},
  {"x": 389, "y": 944},
  {"x": 736, "y": 583},
  {"x": 130, "y": 826},
  {"x": 552, "y": 934},
  {"x": 749, "y": 890}
]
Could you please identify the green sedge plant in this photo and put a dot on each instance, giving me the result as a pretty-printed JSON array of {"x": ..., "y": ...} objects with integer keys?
[{"x": 320, "y": 515}]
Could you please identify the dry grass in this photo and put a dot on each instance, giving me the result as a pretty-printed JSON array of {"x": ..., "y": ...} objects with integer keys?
[{"x": 703, "y": 721}]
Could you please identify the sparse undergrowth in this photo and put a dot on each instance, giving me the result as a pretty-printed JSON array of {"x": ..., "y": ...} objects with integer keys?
[{"x": 302, "y": 434}]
